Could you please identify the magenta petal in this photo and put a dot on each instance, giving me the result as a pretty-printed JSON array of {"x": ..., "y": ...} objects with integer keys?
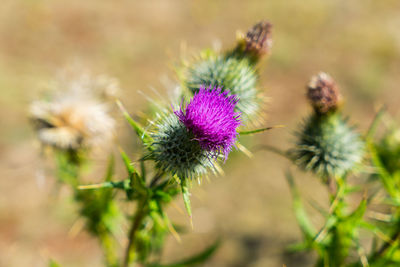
[{"x": 211, "y": 117}]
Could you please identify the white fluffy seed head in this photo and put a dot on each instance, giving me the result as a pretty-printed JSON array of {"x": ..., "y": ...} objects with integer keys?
[{"x": 76, "y": 115}]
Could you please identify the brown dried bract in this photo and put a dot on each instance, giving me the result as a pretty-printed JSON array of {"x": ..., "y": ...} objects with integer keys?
[
  {"x": 258, "y": 38},
  {"x": 323, "y": 93}
]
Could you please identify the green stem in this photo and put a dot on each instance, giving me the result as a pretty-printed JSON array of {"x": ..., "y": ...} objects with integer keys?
[
  {"x": 337, "y": 194},
  {"x": 335, "y": 253},
  {"x": 136, "y": 223},
  {"x": 339, "y": 250}
]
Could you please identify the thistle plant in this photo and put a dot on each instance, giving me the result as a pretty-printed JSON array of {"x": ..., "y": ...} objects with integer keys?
[
  {"x": 235, "y": 71},
  {"x": 328, "y": 147},
  {"x": 326, "y": 144},
  {"x": 70, "y": 123},
  {"x": 185, "y": 144},
  {"x": 179, "y": 145}
]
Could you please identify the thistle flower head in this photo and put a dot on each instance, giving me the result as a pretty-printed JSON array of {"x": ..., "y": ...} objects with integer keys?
[
  {"x": 230, "y": 73},
  {"x": 73, "y": 117},
  {"x": 258, "y": 38},
  {"x": 328, "y": 146},
  {"x": 189, "y": 141},
  {"x": 211, "y": 118},
  {"x": 323, "y": 93}
]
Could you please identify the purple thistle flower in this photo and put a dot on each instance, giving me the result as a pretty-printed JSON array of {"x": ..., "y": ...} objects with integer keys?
[{"x": 211, "y": 118}]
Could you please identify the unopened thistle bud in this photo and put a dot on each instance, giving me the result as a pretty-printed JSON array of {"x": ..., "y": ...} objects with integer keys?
[
  {"x": 328, "y": 146},
  {"x": 188, "y": 142},
  {"x": 259, "y": 38},
  {"x": 232, "y": 74},
  {"x": 323, "y": 93}
]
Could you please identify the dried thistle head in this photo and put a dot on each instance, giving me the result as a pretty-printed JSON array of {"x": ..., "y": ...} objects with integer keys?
[
  {"x": 74, "y": 116},
  {"x": 323, "y": 93},
  {"x": 259, "y": 38}
]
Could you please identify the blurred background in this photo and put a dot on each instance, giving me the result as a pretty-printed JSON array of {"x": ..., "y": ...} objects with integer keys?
[{"x": 138, "y": 42}]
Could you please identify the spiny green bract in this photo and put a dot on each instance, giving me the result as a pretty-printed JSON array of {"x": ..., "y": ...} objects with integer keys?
[
  {"x": 234, "y": 74},
  {"x": 175, "y": 150},
  {"x": 328, "y": 146}
]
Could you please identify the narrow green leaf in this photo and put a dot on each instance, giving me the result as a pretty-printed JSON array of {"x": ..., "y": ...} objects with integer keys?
[
  {"x": 141, "y": 133},
  {"x": 387, "y": 180},
  {"x": 110, "y": 168},
  {"x": 194, "y": 260},
  {"x": 358, "y": 213},
  {"x": 353, "y": 189},
  {"x": 362, "y": 255},
  {"x": 186, "y": 196},
  {"x": 124, "y": 184},
  {"x": 303, "y": 246},
  {"x": 302, "y": 218},
  {"x": 136, "y": 181},
  {"x": 259, "y": 130},
  {"x": 129, "y": 167},
  {"x": 376, "y": 230},
  {"x": 96, "y": 186},
  {"x": 374, "y": 124},
  {"x": 329, "y": 224},
  {"x": 317, "y": 207}
]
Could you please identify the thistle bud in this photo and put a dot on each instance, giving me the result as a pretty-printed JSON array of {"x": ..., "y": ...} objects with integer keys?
[
  {"x": 323, "y": 93},
  {"x": 328, "y": 146},
  {"x": 232, "y": 74},
  {"x": 258, "y": 38}
]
